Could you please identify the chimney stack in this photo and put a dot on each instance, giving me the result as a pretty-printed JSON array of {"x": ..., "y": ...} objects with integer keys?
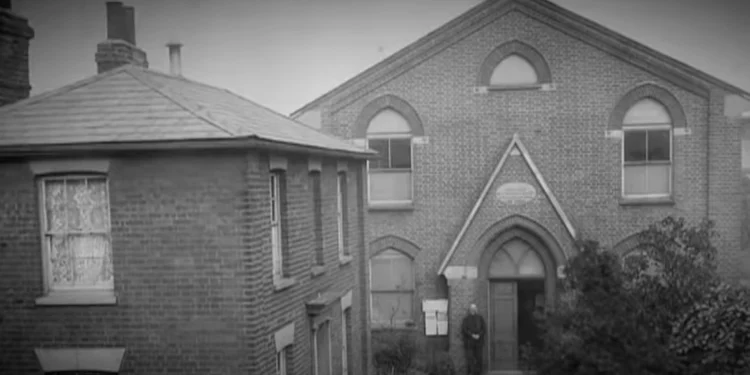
[
  {"x": 175, "y": 60},
  {"x": 15, "y": 34},
  {"x": 119, "y": 48}
]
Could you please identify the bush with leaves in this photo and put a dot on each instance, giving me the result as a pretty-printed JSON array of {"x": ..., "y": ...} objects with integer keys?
[
  {"x": 599, "y": 328},
  {"x": 394, "y": 351},
  {"x": 662, "y": 311},
  {"x": 714, "y": 336}
]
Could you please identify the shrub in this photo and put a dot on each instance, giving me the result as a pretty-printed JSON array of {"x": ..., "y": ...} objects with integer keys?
[
  {"x": 663, "y": 312},
  {"x": 714, "y": 336},
  {"x": 441, "y": 364},
  {"x": 394, "y": 351}
]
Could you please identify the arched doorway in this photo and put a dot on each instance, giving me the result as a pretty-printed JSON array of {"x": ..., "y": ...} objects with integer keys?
[{"x": 519, "y": 280}]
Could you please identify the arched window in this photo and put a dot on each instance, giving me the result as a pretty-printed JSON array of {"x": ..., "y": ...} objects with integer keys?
[
  {"x": 516, "y": 259},
  {"x": 392, "y": 288},
  {"x": 514, "y": 64},
  {"x": 513, "y": 70},
  {"x": 637, "y": 258},
  {"x": 647, "y": 150},
  {"x": 390, "y": 175}
]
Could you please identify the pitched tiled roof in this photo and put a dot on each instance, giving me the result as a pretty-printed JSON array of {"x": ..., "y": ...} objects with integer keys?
[{"x": 133, "y": 104}]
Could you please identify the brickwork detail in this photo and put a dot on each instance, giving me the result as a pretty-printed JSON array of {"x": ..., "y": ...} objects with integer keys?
[
  {"x": 564, "y": 131},
  {"x": 648, "y": 90},
  {"x": 192, "y": 264},
  {"x": 387, "y": 102},
  {"x": 395, "y": 242},
  {"x": 514, "y": 47}
]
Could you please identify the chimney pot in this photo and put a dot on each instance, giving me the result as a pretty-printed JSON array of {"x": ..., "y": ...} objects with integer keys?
[
  {"x": 129, "y": 21},
  {"x": 115, "y": 21},
  {"x": 175, "y": 60},
  {"x": 119, "y": 48}
]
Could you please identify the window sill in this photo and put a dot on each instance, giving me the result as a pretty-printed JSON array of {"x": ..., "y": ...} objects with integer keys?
[
  {"x": 74, "y": 298},
  {"x": 317, "y": 270},
  {"x": 283, "y": 283},
  {"x": 386, "y": 206},
  {"x": 535, "y": 86},
  {"x": 657, "y": 201},
  {"x": 345, "y": 259}
]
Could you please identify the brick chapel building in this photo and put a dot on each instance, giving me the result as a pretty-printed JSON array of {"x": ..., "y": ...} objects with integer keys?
[
  {"x": 150, "y": 224},
  {"x": 507, "y": 134}
]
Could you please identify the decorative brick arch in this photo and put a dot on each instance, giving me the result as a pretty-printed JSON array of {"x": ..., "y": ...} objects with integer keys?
[
  {"x": 547, "y": 241},
  {"x": 514, "y": 47},
  {"x": 648, "y": 91},
  {"x": 386, "y": 242},
  {"x": 388, "y": 102},
  {"x": 626, "y": 245}
]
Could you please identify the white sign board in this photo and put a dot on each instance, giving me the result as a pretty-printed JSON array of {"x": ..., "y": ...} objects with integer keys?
[
  {"x": 435, "y": 317},
  {"x": 515, "y": 193},
  {"x": 435, "y": 305}
]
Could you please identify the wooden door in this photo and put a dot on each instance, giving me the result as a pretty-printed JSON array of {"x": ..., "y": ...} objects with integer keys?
[{"x": 503, "y": 340}]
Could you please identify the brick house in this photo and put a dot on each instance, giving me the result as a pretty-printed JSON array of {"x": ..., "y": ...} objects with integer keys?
[
  {"x": 152, "y": 224},
  {"x": 507, "y": 134}
]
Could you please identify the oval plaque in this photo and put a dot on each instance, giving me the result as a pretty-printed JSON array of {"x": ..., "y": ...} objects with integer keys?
[{"x": 515, "y": 193}]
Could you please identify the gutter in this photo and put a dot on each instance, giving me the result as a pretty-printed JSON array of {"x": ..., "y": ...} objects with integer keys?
[{"x": 178, "y": 145}]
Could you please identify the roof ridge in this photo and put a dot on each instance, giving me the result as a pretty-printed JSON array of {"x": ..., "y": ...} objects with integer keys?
[
  {"x": 276, "y": 113},
  {"x": 515, "y": 143},
  {"x": 62, "y": 90},
  {"x": 138, "y": 74}
]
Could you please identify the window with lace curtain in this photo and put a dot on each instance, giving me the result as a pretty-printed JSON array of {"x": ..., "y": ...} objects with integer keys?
[{"x": 76, "y": 231}]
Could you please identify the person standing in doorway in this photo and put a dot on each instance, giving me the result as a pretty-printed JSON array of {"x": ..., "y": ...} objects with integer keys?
[{"x": 472, "y": 329}]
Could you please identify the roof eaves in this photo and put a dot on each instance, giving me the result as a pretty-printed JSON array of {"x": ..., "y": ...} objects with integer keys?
[
  {"x": 23, "y": 150},
  {"x": 372, "y": 70},
  {"x": 683, "y": 69},
  {"x": 613, "y": 37},
  {"x": 286, "y": 118}
]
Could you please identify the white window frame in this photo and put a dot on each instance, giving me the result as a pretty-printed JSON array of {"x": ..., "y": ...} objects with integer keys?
[
  {"x": 46, "y": 234},
  {"x": 281, "y": 362},
  {"x": 646, "y": 127},
  {"x": 316, "y": 332},
  {"x": 344, "y": 343},
  {"x": 396, "y": 323},
  {"x": 410, "y": 170},
  {"x": 340, "y": 197},
  {"x": 277, "y": 252}
]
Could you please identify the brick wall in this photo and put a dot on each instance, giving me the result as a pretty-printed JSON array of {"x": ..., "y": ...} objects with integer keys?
[
  {"x": 15, "y": 35},
  {"x": 177, "y": 268},
  {"x": 278, "y": 308},
  {"x": 192, "y": 265},
  {"x": 563, "y": 130}
]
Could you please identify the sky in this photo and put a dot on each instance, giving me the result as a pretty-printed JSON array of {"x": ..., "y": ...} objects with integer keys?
[{"x": 285, "y": 53}]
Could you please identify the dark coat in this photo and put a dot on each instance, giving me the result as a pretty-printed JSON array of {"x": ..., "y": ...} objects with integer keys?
[{"x": 471, "y": 325}]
